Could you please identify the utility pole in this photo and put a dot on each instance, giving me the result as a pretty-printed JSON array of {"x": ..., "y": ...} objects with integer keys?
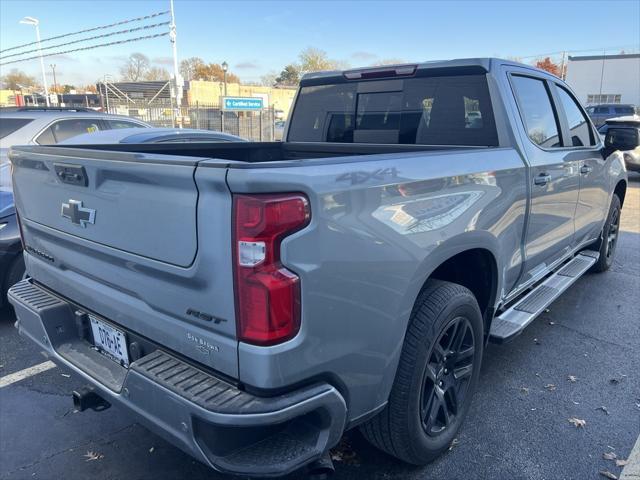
[
  {"x": 176, "y": 72},
  {"x": 562, "y": 67},
  {"x": 36, "y": 23},
  {"x": 55, "y": 88}
]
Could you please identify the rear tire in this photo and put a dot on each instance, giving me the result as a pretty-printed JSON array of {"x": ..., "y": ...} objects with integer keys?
[
  {"x": 609, "y": 237},
  {"x": 441, "y": 355}
]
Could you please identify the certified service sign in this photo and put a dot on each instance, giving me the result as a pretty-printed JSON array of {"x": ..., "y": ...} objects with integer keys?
[{"x": 242, "y": 103}]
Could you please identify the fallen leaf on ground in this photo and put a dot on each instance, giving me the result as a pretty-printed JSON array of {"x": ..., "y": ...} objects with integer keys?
[
  {"x": 621, "y": 462},
  {"x": 608, "y": 474},
  {"x": 91, "y": 456},
  {"x": 614, "y": 381},
  {"x": 604, "y": 409},
  {"x": 578, "y": 422},
  {"x": 344, "y": 453},
  {"x": 454, "y": 444},
  {"x": 575, "y": 403},
  {"x": 152, "y": 449},
  {"x": 550, "y": 386},
  {"x": 524, "y": 390},
  {"x": 609, "y": 456},
  {"x": 552, "y": 323},
  {"x": 536, "y": 341},
  {"x": 572, "y": 378}
]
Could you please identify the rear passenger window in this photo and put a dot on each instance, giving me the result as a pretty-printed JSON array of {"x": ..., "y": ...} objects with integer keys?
[
  {"x": 580, "y": 134},
  {"x": 115, "y": 124},
  {"x": 64, "y": 129},
  {"x": 536, "y": 111}
]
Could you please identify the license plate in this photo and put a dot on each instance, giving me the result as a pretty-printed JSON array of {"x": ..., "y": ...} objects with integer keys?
[{"x": 110, "y": 341}]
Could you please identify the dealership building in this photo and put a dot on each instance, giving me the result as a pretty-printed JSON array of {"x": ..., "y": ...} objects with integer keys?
[{"x": 605, "y": 78}]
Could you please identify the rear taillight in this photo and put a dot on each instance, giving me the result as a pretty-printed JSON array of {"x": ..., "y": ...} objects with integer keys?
[{"x": 267, "y": 294}]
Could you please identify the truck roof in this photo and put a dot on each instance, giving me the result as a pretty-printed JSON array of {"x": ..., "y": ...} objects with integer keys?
[{"x": 472, "y": 65}]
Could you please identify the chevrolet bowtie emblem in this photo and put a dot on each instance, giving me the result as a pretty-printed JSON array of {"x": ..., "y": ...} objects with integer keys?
[{"x": 78, "y": 215}]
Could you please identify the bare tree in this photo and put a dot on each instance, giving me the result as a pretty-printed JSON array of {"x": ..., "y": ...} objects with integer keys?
[
  {"x": 314, "y": 60},
  {"x": 388, "y": 61},
  {"x": 17, "y": 79},
  {"x": 189, "y": 66},
  {"x": 136, "y": 68},
  {"x": 157, "y": 73}
]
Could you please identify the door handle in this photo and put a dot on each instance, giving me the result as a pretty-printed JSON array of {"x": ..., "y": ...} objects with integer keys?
[
  {"x": 542, "y": 179},
  {"x": 586, "y": 169}
]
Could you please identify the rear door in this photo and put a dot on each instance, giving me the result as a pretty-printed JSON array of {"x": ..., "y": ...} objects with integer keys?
[
  {"x": 554, "y": 176},
  {"x": 583, "y": 145}
]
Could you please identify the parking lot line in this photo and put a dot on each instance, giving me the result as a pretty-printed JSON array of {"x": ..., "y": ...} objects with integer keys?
[{"x": 26, "y": 373}]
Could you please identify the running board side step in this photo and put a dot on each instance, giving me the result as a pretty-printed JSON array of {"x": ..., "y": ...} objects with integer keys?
[{"x": 513, "y": 321}]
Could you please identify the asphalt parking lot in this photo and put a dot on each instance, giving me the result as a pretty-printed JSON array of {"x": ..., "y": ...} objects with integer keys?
[{"x": 579, "y": 360}]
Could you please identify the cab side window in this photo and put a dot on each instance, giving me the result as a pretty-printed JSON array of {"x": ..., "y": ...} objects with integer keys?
[
  {"x": 64, "y": 129},
  {"x": 580, "y": 133},
  {"x": 114, "y": 124},
  {"x": 537, "y": 111}
]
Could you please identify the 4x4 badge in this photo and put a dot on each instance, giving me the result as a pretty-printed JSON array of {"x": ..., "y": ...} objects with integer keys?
[{"x": 78, "y": 214}]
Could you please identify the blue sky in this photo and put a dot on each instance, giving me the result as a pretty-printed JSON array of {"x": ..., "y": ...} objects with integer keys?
[{"x": 258, "y": 37}]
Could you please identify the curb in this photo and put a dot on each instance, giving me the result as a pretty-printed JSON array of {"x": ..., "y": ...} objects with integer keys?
[{"x": 631, "y": 470}]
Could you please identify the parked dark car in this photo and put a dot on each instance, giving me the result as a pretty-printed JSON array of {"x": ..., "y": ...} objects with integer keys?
[
  {"x": 625, "y": 132},
  {"x": 599, "y": 114}
]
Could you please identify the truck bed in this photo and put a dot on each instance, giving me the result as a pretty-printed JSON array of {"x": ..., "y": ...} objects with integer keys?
[{"x": 258, "y": 152}]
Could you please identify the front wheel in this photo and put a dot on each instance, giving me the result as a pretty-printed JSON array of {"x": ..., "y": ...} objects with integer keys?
[
  {"x": 609, "y": 241},
  {"x": 437, "y": 375}
]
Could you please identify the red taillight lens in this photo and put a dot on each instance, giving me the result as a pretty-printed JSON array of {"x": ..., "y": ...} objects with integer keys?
[{"x": 267, "y": 294}]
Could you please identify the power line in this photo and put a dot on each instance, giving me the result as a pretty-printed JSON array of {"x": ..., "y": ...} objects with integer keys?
[
  {"x": 91, "y": 47},
  {"x": 104, "y": 35},
  {"x": 101, "y": 27}
]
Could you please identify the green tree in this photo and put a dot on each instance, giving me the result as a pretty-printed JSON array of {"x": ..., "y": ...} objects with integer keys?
[
  {"x": 17, "y": 80},
  {"x": 289, "y": 76}
]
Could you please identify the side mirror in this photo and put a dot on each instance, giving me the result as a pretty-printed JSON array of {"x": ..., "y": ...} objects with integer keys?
[{"x": 622, "y": 138}]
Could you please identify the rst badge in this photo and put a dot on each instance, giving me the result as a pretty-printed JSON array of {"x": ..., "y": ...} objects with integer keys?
[{"x": 79, "y": 215}]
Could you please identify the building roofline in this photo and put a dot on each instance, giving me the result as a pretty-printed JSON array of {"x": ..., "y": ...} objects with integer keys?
[{"x": 605, "y": 57}]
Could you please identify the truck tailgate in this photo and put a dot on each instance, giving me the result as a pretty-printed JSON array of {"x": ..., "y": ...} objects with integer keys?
[
  {"x": 118, "y": 233},
  {"x": 144, "y": 208}
]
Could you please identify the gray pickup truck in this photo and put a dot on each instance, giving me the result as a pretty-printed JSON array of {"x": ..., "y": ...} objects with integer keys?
[{"x": 250, "y": 302}]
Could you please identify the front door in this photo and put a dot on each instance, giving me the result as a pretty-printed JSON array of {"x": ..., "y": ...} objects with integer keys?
[{"x": 586, "y": 149}]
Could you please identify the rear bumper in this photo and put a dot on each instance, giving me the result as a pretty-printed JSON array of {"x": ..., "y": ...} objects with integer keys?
[{"x": 214, "y": 421}]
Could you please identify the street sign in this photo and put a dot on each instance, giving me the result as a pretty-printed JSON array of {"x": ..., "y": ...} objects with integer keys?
[{"x": 242, "y": 103}]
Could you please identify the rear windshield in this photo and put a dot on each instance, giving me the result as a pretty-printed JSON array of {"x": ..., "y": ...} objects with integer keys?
[
  {"x": 444, "y": 110},
  {"x": 10, "y": 125},
  {"x": 625, "y": 110}
]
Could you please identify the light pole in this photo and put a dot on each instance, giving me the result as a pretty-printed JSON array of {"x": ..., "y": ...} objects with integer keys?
[
  {"x": 225, "y": 67},
  {"x": 36, "y": 23},
  {"x": 106, "y": 89},
  {"x": 55, "y": 83}
]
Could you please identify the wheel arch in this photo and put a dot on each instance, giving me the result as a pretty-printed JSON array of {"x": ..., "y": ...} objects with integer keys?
[
  {"x": 621, "y": 190},
  {"x": 443, "y": 262}
]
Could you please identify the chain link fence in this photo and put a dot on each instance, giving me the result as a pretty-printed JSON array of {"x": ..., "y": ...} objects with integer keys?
[{"x": 256, "y": 126}]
